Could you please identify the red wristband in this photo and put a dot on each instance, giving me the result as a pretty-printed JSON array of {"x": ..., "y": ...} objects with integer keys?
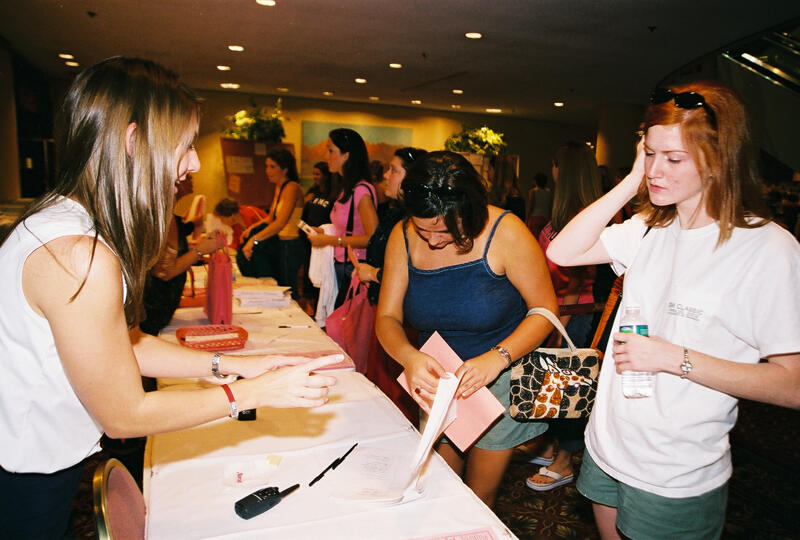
[{"x": 234, "y": 407}]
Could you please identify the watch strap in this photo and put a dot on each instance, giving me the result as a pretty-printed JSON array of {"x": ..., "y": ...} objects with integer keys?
[{"x": 231, "y": 400}]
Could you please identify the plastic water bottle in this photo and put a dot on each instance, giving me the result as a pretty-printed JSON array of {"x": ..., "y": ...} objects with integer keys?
[{"x": 635, "y": 384}]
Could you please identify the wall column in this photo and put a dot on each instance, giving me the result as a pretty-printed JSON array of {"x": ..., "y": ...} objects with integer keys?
[
  {"x": 616, "y": 141},
  {"x": 9, "y": 151}
]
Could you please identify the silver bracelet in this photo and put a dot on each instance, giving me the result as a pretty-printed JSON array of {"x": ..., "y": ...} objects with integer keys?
[
  {"x": 215, "y": 366},
  {"x": 686, "y": 365},
  {"x": 504, "y": 353}
]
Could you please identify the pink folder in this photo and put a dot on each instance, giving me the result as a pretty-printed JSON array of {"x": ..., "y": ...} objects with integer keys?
[{"x": 475, "y": 413}]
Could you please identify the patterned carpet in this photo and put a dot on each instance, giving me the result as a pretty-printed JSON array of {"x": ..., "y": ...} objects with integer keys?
[{"x": 763, "y": 504}]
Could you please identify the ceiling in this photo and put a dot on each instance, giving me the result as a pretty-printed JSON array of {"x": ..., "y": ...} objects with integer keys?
[{"x": 585, "y": 53}]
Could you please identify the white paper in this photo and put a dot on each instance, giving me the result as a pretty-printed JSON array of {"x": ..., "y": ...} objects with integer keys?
[{"x": 380, "y": 474}]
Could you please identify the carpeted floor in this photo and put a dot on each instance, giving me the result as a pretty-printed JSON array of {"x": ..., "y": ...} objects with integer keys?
[{"x": 763, "y": 504}]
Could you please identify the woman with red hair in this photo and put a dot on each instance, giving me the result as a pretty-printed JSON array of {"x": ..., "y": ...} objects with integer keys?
[{"x": 717, "y": 282}]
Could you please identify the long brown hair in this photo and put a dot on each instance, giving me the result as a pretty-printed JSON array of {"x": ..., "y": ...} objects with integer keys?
[
  {"x": 128, "y": 195},
  {"x": 720, "y": 144},
  {"x": 578, "y": 183}
]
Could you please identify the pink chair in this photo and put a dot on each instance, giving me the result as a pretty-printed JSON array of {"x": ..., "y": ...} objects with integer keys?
[{"x": 119, "y": 510}]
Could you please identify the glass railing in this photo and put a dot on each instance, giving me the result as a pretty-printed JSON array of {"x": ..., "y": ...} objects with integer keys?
[{"x": 775, "y": 56}]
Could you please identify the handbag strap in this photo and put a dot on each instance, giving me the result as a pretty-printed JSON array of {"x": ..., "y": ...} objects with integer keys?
[
  {"x": 547, "y": 314},
  {"x": 349, "y": 229}
]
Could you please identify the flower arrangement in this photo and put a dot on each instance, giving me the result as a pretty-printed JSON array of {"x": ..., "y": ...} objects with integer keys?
[
  {"x": 257, "y": 124},
  {"x": 476, "y": 141}
]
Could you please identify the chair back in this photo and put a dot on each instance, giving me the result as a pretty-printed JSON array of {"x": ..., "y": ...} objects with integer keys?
[
  {"x": 119, "y": 509},
  {"x": 603, "y": 331}
]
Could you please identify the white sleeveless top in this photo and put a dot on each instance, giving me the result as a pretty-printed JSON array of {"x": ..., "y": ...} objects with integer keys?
[{"x": 43, "y": 425}]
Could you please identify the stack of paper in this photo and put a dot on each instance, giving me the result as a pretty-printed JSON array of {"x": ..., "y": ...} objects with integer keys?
[{"x": 264, "y": 296}]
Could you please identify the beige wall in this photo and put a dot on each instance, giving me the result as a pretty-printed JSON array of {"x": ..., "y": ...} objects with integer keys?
[{"x": 533, "y": 141}]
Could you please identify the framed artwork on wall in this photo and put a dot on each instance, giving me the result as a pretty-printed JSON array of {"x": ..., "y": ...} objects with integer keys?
[{"x": 381, "y": 143}]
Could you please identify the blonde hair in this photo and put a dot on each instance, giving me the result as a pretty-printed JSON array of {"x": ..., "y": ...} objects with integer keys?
[
  {"x": 578, "y": 183},
  {"x": 719, "y": 141},
  {"x": 128, "y": 195}
]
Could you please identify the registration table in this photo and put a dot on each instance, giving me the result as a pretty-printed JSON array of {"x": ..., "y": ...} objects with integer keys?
[{"x": 187, "y": 475}]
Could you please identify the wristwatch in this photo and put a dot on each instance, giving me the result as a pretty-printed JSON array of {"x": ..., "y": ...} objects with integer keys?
[
  {"x": 504, "y": 353},
  {"x": 686, "y": 365},
  {"x": 215, "y": 367}
]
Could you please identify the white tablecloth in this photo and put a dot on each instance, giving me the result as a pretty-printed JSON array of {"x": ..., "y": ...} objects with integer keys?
[{"x": 187, "y": 495}]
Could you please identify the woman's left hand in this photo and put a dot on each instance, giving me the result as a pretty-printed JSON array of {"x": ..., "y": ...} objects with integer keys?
[
  {"x": 254, "y": 365},
  {"x": 633, "y": 352},
  {"x": 321, "y": 240},
  {"x": 478, "y": 372},
  {"x": 247, "y": 250}
]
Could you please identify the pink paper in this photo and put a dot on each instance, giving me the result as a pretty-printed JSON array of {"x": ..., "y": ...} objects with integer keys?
[{"x": 475, "y": 413}]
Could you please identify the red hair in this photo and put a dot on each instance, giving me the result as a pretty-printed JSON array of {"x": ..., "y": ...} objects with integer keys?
[{"x": 721, "y": 146}]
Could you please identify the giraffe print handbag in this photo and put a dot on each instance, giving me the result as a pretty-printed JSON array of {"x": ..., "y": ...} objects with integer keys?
[{"x": 554, "y": 383}]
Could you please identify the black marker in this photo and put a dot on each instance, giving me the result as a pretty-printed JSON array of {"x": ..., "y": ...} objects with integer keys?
[{"x": 335, "y": 463}]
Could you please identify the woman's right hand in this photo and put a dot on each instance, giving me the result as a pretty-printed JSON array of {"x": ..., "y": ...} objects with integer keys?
[
  {"x": 423, "y": 373},
  {"x": 207, "y": 245},
  {"x": 292, "y": 386}
]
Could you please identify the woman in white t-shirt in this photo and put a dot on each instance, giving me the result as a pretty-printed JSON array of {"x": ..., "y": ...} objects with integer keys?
[
  {"x": 717, "y": 283},
  {"x": 72, "y": 275}
]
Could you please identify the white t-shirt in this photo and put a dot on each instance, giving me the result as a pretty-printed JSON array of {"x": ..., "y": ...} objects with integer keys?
[
  {"x": 43, "y": 425},
  {"x": 739, "y": 301}
]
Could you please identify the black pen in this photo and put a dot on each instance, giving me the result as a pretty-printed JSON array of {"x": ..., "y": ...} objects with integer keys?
[{"x": 335, "y": 463}]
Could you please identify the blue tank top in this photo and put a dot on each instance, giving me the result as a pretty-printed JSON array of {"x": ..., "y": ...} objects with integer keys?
[{"x": 468, "y": 304}]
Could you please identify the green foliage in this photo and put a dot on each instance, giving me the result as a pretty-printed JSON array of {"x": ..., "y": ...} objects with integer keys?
[
  {"x": 257, "y": 124},
  {"x": 476, "y": 141}
]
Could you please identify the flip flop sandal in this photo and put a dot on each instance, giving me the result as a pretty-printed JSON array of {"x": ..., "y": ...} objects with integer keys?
[
  {"x": 558, "y": 480},
  {"x": 539, "y": 460}
]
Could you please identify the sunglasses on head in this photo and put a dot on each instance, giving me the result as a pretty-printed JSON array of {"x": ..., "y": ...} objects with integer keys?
[
  {"x": 683, "y": 100},
  {"x": 445, "y": 192}
]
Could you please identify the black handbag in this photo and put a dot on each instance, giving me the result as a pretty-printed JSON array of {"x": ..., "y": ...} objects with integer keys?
[{"x": 554, "y": 383}]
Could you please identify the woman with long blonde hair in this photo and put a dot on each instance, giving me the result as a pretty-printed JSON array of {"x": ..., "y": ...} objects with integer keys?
[{"x": 74, "y": 267}]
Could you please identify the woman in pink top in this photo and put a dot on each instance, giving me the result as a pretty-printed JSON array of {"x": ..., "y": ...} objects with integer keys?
[
  {"x": 577, "y": 181},
  {"x": 347, "y": 157}
]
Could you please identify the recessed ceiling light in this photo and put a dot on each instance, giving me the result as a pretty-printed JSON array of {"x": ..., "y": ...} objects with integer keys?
[
  {"x": 416, "y": 101},
  {"x": 265, "y": 2},
  {"x": 231, "y": 85},
  {"x": 235, "y": 48},
  {"x": 224, "y": 68},
  {"x": 360, "y": 80},
  {"x": 71, "y": 63},
  {"x": 494, "y": 110},
  {"x": 457, "y": 91},
  {"x": 66, "y": 56},
  {"x": 559, "y": 103},
  {"x": 374, "y": 98},
  {"x": 455, "y": 106},
  {"x": 395, "y": 65},
  {"x": 282, "y": 89},
  {"x": 473, "y": 35},
  {"x": 327, "y": 93}
]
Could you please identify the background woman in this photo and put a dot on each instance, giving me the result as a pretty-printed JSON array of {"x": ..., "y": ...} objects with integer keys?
[
  {"x": 540, "y": 202},
  {"x": 355, "y": 204},
  {"x": 73, "y": 272},
  {"x": 287, "y": 207},
  {"x": 577, "y": 185},
  {"x": 382, "y": 370},
  {"x": 469, "y": 271},
  {"x": 717, "y": 284}
]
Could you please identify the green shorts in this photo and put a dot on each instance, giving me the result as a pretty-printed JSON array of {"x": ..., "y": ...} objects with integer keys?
[{"x": 641, "y": 514}]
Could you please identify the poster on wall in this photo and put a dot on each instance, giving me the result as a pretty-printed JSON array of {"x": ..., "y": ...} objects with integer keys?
[{"x": 381, "y": 143}]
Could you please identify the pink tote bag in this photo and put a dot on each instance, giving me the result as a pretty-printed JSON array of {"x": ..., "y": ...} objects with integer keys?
[{"x": 351, "y": 324}]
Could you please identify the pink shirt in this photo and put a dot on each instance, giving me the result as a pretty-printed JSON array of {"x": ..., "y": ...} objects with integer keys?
[{"x": 339, "y": 216}]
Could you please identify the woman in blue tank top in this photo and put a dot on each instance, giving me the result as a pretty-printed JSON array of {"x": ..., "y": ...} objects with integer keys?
[{"x": 470, "y": 272}]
